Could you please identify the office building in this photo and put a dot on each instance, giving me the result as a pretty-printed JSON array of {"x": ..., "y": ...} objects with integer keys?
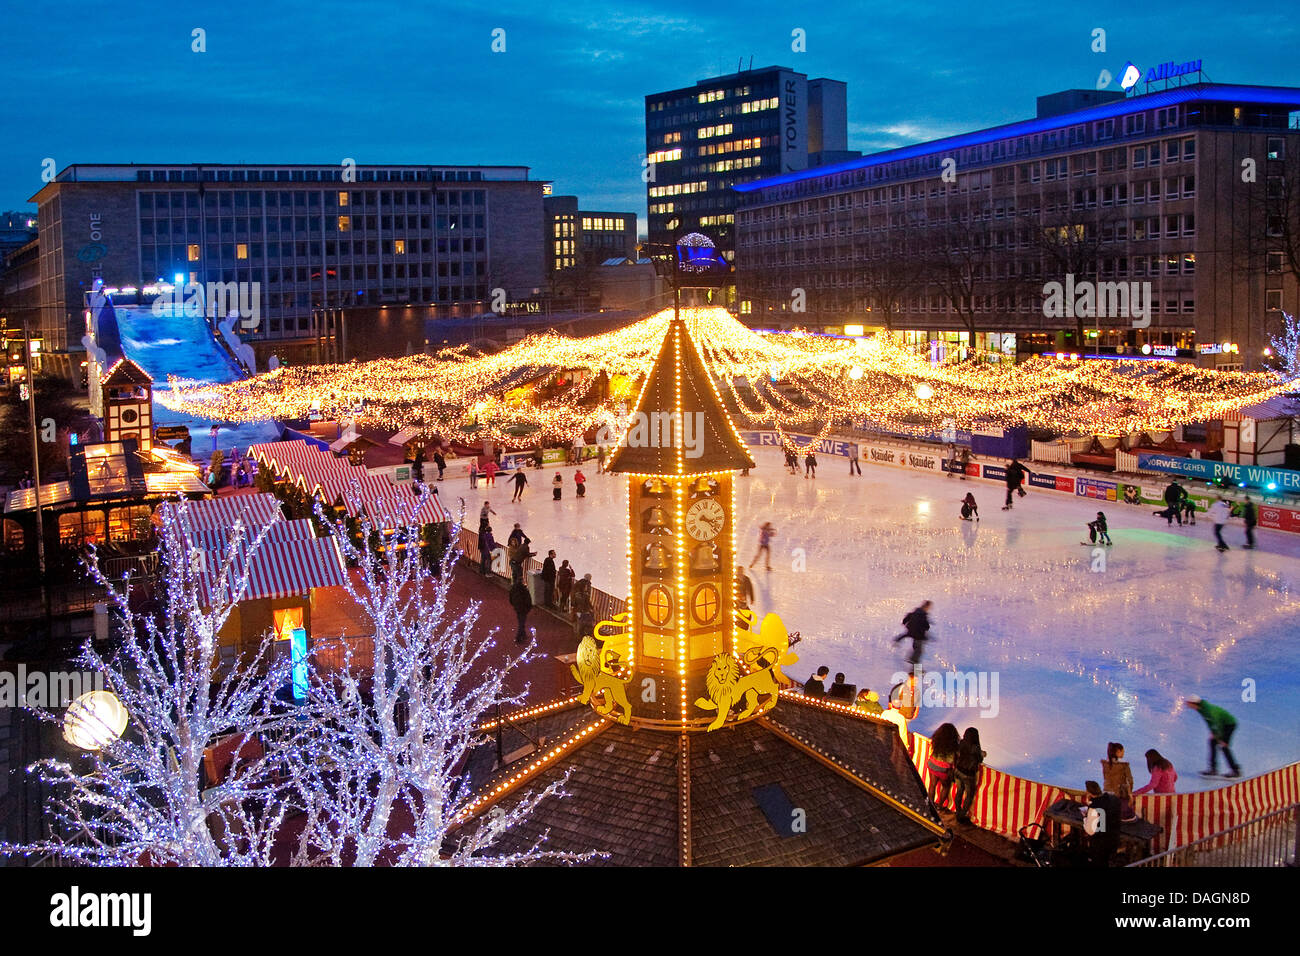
[
  {"x": 585, "y": 237},
  {"x": 704, "y": 139},
  {"x": 311, "y": 237},
  {"x": 1180, "y": 193}
]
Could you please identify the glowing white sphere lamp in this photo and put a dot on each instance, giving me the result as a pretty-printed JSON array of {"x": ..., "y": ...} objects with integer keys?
[
  {"x": 924, "y": 392},
  {"x": 94, "y": 720},
  {"x": 855, "y": 372}
]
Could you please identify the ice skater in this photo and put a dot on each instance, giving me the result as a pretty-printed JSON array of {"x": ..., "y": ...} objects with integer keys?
[
  {"x": 580, "y": 483},
  {"x": 952, "y": 458},
  {"x": 854, "y": 467},
  {"x": 483, "y": 515},
  {"x": 520, "y": 480},
  {"x": 969, "y": 509},
  {"x": 1016, "y": 474},
  {"x": 1220, "y": 514},
  {"x": 473, "y": 472},
  {"x": 1189, "y": 510},
  {"x": 1173, "y": 504},
  {"x": 1222, "y": 725},
  {"x": 791, "y": 460},
  {"x": 1249, "y": 515},
  {"x": 917, "y": 622},
  {"x": 1097, "y": 530},
  {"x": 810, "y": 465},
  {"x": 765, "y": 535},
  {"x": 557, "y": 486},
  {"x": 965, "y": 461}
]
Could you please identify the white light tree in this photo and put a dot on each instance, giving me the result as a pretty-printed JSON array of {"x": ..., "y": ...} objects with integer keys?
[
  {"x": 381, "y": 769},
  {"x": 139, "y": 798},
  {"x": 1286, "y": 347}
]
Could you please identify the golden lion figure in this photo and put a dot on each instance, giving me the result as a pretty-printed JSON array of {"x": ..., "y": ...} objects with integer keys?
[
  {"x": 727, "y": 688},
  {"x": 595, "y": 681}
]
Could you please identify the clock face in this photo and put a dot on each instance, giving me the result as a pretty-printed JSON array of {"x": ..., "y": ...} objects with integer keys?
[{"x": 704, "y": 519}]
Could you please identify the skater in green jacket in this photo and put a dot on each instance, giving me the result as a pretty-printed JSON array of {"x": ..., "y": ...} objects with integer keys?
[{"x": 1221, "y": 724}]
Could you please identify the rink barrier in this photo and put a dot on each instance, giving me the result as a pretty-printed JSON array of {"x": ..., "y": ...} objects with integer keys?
[
  {"x": 1004, "y": 802},
  {"x": 1140, "y": 490}
]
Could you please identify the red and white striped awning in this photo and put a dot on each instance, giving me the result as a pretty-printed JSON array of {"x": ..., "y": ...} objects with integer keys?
[
  {"x": 218, "y": 539},
  {"x": 276, "y": 569},
  {"x": 341, "y": 483},
  {"x": 255, "y": 511}
]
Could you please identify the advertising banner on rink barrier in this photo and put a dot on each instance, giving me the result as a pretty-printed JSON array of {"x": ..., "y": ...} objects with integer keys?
[
  {"x": 1096, "y": 488},
  {"x": 835, "y": 447},
  {"x": 1282, "y": 519},
  {"x": 1041, "y": 479}
]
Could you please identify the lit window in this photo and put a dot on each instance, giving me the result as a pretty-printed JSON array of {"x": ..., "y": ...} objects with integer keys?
[
  {"x": 345, "y": 223},
  {"x": 241, "y": 250},
  {"x": 343, "y": 199},
  {"x": 193, "y": 252},
  {"x": 399, "y": 247}
]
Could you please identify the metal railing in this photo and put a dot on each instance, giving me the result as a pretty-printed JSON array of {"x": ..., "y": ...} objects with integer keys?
[{"x": 1272, "y": 840}]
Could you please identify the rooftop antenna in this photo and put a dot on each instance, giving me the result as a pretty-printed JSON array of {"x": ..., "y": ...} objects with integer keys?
[
  {"x": 751, "y": 61},
  {"x": 740, "y": 64}
]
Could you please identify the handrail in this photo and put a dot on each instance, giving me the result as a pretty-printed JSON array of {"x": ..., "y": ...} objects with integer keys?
[{"x": 1270, "y": 851}]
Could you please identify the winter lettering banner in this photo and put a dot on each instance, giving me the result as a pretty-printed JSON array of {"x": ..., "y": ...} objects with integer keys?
[{"x": 1251, "y": 476}]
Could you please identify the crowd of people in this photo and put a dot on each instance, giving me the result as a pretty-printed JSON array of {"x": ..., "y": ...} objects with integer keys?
[
  {"x": 1180, "y": 507},
  {"x": 562, "y": 589}
]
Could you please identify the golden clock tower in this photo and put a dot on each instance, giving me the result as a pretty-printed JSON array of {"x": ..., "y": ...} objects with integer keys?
[{"x": 678, "y": 453}]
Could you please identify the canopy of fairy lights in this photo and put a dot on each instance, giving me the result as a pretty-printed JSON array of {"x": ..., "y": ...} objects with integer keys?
[{"x": 554, "y": 387}]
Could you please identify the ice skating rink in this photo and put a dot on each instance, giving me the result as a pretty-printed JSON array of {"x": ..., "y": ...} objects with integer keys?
[{"x": 1081, "y": 657}]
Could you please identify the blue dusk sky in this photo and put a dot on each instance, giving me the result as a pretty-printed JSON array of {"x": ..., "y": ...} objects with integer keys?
[{"x": 418, "y": 82}]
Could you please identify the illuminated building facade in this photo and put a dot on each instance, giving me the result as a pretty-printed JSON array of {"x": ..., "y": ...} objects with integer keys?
[
  {"x": 582, "y": 237},
  {"x": 704, "y": 139},
  {"x": 962, "y": 234}
]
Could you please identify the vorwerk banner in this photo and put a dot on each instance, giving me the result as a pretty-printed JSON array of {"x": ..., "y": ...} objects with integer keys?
[{"x": 1254, "y": 476}]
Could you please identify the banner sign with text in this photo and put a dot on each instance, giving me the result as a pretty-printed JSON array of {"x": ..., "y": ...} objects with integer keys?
[{"x": 1253, "y": 476}]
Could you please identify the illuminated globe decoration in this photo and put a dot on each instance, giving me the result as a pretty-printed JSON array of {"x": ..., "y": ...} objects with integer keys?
[
  {"x": 924, "y": 392},
  {"x": 696, "y": 254},
  {"x": 94, "y": 720}
]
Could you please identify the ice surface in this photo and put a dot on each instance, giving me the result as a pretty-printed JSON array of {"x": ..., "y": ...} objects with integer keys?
[
  {"x": 1082, "y": 657},
  {"x": 183, "y": 346}
]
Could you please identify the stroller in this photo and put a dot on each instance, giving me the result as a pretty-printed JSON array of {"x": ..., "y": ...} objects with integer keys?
[{"x": 1033, "y": 846}]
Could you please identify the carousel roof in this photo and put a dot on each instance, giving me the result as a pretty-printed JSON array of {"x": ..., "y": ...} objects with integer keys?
[{"x": 809, "y": 783}]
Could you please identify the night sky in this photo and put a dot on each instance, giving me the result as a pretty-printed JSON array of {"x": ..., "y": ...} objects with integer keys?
[{"x": 294, "y": 82}]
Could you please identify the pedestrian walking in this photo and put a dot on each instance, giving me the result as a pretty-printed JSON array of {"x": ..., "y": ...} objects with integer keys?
[
  {"x": 854, "y": 467},
  {"x": 810, "y": 465},
  {"x": 917, "y": 624},
  {"x": 765, "y": 535},
  {"x": 557, "y": 486},
  {"x": 1222, "y": 726},
  {"x": 473, "y": 472},
  {"x": 548, "y": 580},
  {"x": 486, "y": 545},
  {"x": 564, "y": 583},
  {"x": 1220, "y": 514},
  {"x": 522, "y": 602},
  {"x": 969, "y": 509},
  {"x": 1249, "y": 515},
  {"x": 1016, "y": 474},
  {"x": 520, "y": 480},
  {"x": 580, "y": 483}
]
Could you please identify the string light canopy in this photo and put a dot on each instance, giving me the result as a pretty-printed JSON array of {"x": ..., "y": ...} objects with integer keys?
[{"x": 551, "y": 387}]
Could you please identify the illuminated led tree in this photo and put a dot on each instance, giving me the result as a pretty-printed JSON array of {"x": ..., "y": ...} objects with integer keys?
[
  {"x": 380, "y": 768},
  {"x": 1286, "y": 347},
  {"x": 138, "y": 798}
]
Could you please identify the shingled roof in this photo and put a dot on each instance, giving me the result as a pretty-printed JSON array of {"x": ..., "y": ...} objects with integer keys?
[
  {"x": 805, "y": 785},
  {"x": 716, "y": 446}
]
